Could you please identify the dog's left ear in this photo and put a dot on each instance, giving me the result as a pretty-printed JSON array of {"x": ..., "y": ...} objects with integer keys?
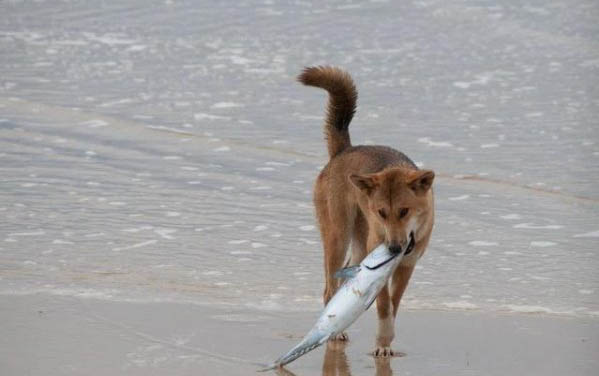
[
  {"x": 365, "y": 183},
  {"x": 421, "y": 181}
]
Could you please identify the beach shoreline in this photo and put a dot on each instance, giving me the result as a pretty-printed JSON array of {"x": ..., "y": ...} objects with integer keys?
[{"x": 44, "y": 334}]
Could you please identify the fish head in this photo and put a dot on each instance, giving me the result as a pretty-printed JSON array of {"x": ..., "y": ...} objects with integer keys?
[{"x": 382, "y": 258}]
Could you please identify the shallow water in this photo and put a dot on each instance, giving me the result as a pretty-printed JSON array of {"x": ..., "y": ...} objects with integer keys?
[{"x": 163, "y": 151}]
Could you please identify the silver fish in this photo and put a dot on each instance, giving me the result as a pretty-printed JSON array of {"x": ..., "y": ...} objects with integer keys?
[{"x": 362, "y": 285}]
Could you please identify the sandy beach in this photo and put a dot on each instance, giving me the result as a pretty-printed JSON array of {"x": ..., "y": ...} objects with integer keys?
[
  {"x": 157, "y": 160},
  {"x": 56, "y": 335}
]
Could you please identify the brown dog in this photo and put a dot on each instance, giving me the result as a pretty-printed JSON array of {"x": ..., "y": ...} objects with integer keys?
[{"x": 368, "y": 195}]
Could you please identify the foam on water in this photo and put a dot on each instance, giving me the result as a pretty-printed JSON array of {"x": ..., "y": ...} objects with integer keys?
[
  {"x": 482, "y": 243},
  {"x": 542, "y": 244},
  {"x": 136, "y": 245},
  {"x": 592, "y": 234}
]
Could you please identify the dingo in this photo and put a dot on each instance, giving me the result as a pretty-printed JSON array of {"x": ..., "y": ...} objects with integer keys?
[{"x": 368, "y": 195}]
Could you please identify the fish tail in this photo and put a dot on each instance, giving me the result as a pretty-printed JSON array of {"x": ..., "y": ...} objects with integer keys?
[
  {"x": 268, "y": 367},
  {"x": 309, "y": 343}
]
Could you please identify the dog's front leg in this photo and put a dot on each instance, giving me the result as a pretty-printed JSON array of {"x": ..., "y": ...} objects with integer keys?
[
  {"x": 386, "y": 328},
  {"x": 399, "y": 283},
  {"x": 387, "y": 307}
]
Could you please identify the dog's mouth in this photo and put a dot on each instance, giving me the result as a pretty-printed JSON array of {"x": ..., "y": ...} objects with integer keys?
[{"x": 410, "y": 247}]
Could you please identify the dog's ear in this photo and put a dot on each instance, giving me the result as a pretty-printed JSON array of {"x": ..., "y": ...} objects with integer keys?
[
  {"x": 421, "y": 181},
  {"x": 365, "y": 183}
]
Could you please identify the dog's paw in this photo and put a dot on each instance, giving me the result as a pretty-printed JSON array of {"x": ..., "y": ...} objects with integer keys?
[
  {"x": 336, "y": 346},
  {"x": 383, "y": 352},
  {"x": 340, "y": 337}
]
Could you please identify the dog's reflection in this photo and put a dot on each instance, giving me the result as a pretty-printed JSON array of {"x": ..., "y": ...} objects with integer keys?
[{"x": 335, "y": 363}]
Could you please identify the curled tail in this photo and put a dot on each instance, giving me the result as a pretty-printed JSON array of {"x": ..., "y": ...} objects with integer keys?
[{"x": 342, "y": 103}]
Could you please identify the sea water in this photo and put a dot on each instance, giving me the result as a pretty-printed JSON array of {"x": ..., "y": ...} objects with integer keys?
[{"x": 163, "y": 151}]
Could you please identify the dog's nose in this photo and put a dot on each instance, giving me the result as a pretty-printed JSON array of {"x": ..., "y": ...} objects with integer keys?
[{"x": 395, "y": 248}]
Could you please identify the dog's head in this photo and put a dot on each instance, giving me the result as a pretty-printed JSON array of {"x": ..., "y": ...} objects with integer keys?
[{"x": 399, "y": 200}]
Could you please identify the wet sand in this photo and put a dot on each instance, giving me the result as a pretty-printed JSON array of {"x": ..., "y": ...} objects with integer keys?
[{"x": 57, "y": 335}]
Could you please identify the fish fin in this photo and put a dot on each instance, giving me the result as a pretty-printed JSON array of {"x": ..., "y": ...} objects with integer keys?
[
  {"x": 370, "y": 303},
  {"x": 325, "y": 339},
  {"x": 371, "y": 298},
  {"x": 348, "y": 272}
]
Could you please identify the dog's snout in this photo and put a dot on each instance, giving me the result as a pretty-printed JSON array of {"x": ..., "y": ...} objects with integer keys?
[{"x": 395, "y": 248}]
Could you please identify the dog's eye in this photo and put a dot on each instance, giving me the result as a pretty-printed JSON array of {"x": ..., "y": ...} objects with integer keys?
[
  {"x": 382, "y": 213},
  {"x": 403, "y": 212}
]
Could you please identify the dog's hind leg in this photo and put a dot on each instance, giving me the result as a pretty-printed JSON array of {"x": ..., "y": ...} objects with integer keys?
[
  {"x": 336, "y": 238},
  {"x": 335, "y": 221},
  {"x": 359, "y": 239}
]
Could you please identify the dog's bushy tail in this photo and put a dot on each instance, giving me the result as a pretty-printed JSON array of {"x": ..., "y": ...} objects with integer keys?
[{"x": 342, "y": 103}]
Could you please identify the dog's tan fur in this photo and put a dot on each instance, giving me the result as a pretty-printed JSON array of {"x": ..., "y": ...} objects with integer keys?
[{"x": 367, "y": 195}]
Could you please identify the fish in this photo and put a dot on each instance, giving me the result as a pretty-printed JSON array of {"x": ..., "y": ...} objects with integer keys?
[{"x": 362, "y": 284}]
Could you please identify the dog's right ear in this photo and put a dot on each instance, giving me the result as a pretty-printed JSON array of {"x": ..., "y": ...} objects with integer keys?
[{"x": 365, "y": 183}]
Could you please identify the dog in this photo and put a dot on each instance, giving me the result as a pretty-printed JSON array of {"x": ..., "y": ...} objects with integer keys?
[{"x": 367, "y": 195}]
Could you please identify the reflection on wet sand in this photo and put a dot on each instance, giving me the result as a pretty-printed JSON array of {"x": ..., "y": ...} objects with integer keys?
[{"x": 335, "y": 363}]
